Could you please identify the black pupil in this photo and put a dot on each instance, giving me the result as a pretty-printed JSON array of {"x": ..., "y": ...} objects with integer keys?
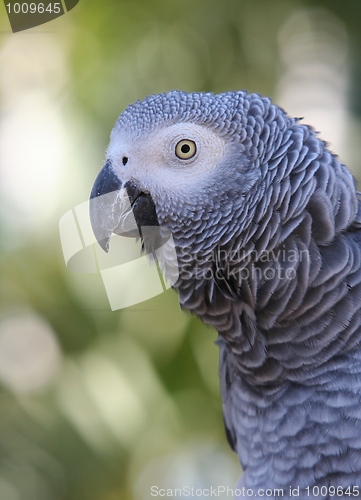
[
  {"x": 125, "y": 160},
  {"x": 185, "y": 148}
]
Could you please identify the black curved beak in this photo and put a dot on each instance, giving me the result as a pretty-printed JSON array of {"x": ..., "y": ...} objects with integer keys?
[
  {"x": 112, "y": 212},
  {"x": 104, "y": 216}
]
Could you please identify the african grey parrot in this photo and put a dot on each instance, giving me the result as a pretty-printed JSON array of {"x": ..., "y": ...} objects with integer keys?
[{"x": 266, "y": 223}]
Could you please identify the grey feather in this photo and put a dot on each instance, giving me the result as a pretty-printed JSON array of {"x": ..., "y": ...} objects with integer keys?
[{"x": 277, "y": 227}]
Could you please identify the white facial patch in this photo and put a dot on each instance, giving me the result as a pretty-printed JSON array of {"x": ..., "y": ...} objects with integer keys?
[{"x": 152, "y": 160}]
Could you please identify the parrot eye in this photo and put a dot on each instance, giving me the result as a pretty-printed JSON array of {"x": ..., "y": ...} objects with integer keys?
[{"x": 185, "y": 149}]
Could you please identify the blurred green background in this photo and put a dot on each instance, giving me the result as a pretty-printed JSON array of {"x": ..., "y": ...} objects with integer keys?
[{"x": 101, "y": 405}]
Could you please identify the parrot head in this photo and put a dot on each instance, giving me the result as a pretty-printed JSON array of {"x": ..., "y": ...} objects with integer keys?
[{"x": 189, "y": 162}]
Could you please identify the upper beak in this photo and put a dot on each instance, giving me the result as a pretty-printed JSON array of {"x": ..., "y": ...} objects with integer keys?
[
  {"x": 118, "y": 208},
  {"x": 104, "y": 216}
]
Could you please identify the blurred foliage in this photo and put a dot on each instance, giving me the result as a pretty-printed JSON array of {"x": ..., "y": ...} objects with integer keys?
[{"x": 134, "y": 400}]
